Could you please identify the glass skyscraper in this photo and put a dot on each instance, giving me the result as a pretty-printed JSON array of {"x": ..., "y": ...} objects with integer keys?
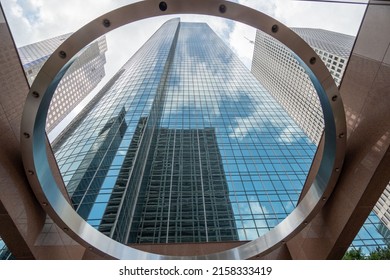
[
  {"x": 184, "y": 145},
  {"x": 80, "y": 79},
  {"x": 5, "y": 254}
]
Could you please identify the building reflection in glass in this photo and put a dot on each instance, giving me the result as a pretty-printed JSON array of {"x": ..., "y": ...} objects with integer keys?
[{"x": 207, "y": 153}]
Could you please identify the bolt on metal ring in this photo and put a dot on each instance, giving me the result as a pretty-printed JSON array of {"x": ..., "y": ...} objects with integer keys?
[
  {"x": 163, "y": 6},
  {"x": 62, "y": 54},
  {"x": 106, "y": 22}
]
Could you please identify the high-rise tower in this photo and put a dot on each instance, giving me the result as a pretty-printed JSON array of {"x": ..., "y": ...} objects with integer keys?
[
  {"x": 80, "y": 79},
  {"x": 185, "y": 145},
  {"x": 276, "y": 67},
  {"x": 333, "y": 48}
]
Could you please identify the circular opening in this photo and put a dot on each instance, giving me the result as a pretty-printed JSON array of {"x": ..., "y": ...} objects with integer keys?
[
  {"x": 248, "y": 177},
  {"x": 278, "y": 234}
]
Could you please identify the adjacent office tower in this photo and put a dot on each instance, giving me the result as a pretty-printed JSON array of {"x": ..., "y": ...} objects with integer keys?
[
  {"x": 279, "y": 71},
  {"x": 184, "y": 145},
  {"x": 81, "y": 78},
  {"x": 276, "y": 67},
  {"x": 333, "y": 48}
]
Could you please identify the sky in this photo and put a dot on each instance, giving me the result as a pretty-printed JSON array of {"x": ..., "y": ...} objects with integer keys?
[{"x": 34, "y": 20}]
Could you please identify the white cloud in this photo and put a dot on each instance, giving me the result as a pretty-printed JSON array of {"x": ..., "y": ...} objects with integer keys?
[
  {"x": 34, "y": 20},
  {"x": 287, "y": 135},
  {"x": 267, "y": 7},
  {"x": 240, "y": 41},
  {"x": 242, "y": 128},
  {"x": 343, "y": 18},
  {"x": 242, "y": 36},
  {"x": 258, "y": 209}
]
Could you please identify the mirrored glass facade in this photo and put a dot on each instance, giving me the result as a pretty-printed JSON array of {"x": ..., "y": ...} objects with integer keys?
[
  {"x": 5, "y": 254},
  {"x": 186, "y": 146},
  {"x": 372, "y": 235}
]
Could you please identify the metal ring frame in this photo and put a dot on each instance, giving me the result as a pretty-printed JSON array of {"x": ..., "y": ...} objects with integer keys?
[{"x": 33, "y": 138}]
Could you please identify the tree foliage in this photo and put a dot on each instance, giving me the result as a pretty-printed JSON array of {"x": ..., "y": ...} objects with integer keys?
[
  {"x": 354, "y": 254},
  {"x": 380, "y": 253}
]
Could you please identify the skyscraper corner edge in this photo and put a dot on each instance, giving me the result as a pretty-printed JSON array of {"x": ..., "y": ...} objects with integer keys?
[{"x": 33, "y": 139}]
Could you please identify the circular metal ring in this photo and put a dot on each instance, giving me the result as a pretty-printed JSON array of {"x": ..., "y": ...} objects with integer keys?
[{"x": 42, "y": 180}]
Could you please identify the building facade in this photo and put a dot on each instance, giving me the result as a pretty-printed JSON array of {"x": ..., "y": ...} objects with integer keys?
[
  {"x": 333, "y": 48},
  {"x": 277, "y": 68},
  {"x": 363, "y": 176},
  {"x": 207, "y": 154},
  {"x": 81, "y": 78}
]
